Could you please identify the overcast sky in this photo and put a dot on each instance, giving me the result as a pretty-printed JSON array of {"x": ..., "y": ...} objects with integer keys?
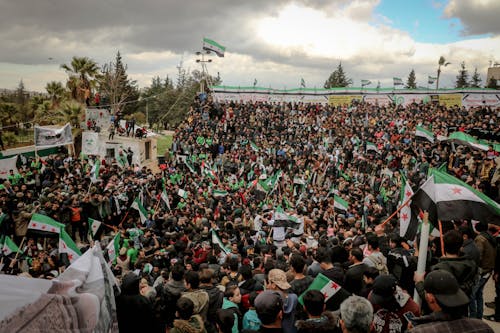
[{"x": 277, "y": 42}]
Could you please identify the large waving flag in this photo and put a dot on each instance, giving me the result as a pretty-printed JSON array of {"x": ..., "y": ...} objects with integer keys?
[
  {"x": 44, "y": 223},
  {"x": 371, "y": 146},
  {"x": 408, "y": 222},
  {"x": 211, "y": 45},
  {"x": 282, "y": 219},
  {"x": 68, "y": 246},
  {"x": 164, "y": 197},
  {"x": 397, "y": 81},
  {"x": 447, "y": 198},
  {"x": 424, "y": 133},
  {"x": 467, "y": 140},
  {"x": 143, "y": 213}
]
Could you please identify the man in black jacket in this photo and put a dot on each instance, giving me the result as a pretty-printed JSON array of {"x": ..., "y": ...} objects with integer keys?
[{"x": 353, "y": 281}]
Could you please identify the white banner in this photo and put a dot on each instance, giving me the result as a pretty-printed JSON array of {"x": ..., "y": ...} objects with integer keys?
[
  {"x": 475, "y": 100},
  {"x": 90, "y": 143},
  {"x": 53, "y": 137},
  {"x": 6, "y": 165}
]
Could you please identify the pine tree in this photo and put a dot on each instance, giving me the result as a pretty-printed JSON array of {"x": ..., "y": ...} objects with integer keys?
[
  {"x": 411, "y": 83},
  {"x": 338, "y": 78},
  {"x": 462, "y": 77},
  {"x": 475, "y": 81}
]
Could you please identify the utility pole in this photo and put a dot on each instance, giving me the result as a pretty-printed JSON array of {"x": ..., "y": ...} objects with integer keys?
[{"x": 204, "y": 70}]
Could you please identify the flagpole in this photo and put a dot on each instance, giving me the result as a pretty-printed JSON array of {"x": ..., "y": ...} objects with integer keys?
[
  {"x": 422, "y": 252},
  {"x": 441, "y": 238},
  {"x": 20, "y": 247},
  {"x": 397, "y": 211}
]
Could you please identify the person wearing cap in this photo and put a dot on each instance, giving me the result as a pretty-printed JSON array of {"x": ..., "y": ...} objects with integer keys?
[
  {"x": 448, "y": 303},
  {"x": 269, "y": 308},
  {"x": 390, "y": 303},
  {"x": 276, "y": 280}
]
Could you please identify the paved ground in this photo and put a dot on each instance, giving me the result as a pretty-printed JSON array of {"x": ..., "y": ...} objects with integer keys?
[{"x": 489, "y": 296}]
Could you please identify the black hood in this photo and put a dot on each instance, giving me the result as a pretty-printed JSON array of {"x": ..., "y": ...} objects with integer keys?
[{"x": 130, "y": 284}]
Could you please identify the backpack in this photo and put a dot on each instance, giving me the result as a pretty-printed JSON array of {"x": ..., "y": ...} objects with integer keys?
[{"x": 379, "y": 264}]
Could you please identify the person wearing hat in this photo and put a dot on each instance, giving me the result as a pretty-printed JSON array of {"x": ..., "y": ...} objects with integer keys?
[
  {"x": 269, "y": 308},
  {"x": 277, "y": 281},
  {"x": 448, "y": 303},
  {"x": 390, "y": 303}
]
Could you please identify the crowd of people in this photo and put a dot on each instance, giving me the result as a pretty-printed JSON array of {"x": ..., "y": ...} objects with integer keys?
[{"x": 243, "y": 221}]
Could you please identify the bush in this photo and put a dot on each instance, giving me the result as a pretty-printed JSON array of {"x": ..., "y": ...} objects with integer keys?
[{"x": 9, "y": 139}]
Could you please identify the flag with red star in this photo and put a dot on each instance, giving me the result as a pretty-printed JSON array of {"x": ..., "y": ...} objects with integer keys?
[
  {"x": 326, "y": 286},
  {"x": 44, "y": 223},
  {"x": 408, "y": 222},
  {"x": 447, "y": 198},
  {"x": 68, "y": 246}
]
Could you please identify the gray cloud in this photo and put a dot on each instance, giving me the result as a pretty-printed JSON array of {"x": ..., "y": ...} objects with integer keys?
[{"x": 478, "y": 17}]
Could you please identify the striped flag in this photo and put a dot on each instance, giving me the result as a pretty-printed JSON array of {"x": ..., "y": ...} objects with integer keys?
[
  {"x": 282, "y": 219},
  {"x": 213, "y": 46},
  {"x": 190, "y": 166},
  {"x": 365, "y": 82},
  {"x": 164, "y": 197},
  {"x": 94, "y": 226},
  {"x": 397, "y": 81},
  {"x": 326, "y": 286},
  {"x": 216, "y": 241},
  {"x": 143, "y": 213},
  {"x": 68, "y": 246},
  {"x": 254, "y": 147},
  {"x": 431, "y": 79},
  {"x": 219, "y": 193},
  {"x": 114, "y": 247},
  {"x": 467, "y": 140},
  {"x": 44, "y": 223},
  {"x": 424, "y": 133},
  {"x": 9, "y": 246},
  {"x": 340, "y": 204},
  {"x": 302, "y": 83},
  {"x": 408, "y": 222},
  {"x": 371, "y": 146},
  {"x": 182, "y": 193},
  {"x": 447, "y": 198}
]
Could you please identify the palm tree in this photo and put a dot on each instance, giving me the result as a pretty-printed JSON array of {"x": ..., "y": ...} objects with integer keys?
[
  {"x": 56, "y": 92},
  {"x": 83, "y": 74},
  {"x": 9, "y": 114},
  {"x": 442, "y": 62},
  {"x": 70, "y": 112},
  {"x": 44, "y": 114}
]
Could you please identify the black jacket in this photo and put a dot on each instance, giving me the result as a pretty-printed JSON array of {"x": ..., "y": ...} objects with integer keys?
[
  {"x": 328, "y": 323},
  {"x": 353, "y": 280}
]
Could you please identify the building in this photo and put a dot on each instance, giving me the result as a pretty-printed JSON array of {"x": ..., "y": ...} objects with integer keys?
[{"x": 493, "y": 72}]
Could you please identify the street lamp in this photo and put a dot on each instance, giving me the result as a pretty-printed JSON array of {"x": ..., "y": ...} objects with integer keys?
[{"x": 204, "y": 71}]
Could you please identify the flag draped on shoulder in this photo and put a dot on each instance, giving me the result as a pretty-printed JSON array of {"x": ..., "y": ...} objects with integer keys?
[
  {"x": 213, "y": 46},
  {"x": 447, "y": 198},
  {"x": 424, "y": 133},
  {"x": 68, "y": 246},
  {"x": 44, "y": 223},
  {"x": 143, "y": 213},
  {"x": 408, "y": 222}
]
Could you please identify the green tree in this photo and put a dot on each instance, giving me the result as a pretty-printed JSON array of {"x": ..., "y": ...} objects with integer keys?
[
  {"x": 56, "y": 92},
  {"x": 22, "y": 101},
  {"x": 70, "y": 112},
  {"x": 116, "y": 86},
  {"x": 493, "y": 83},
  {"x": 475, "y": 81},
  {"x": 83, "y": 74},
  {"x": 337, "y": 78},
  {"x": 411, "y": 83},
  {"x": 9, "y": 114},
  {"x": 462, "y": 77},
  {"x": 441, "y": 63}
]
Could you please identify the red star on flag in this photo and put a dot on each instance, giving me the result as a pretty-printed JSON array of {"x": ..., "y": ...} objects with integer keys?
[
  {"x": 64, "y": 246},
  {"x": 325, "y": 295},
  {"x": 53, "y": 229},
  {"x": 404, "y": 216},
  {"x": 457, "y": 190},
  {"x": 44, "y": 227},
  {"x": 408, "y": 194},
  {"x": 70, "y": 256},
  {"x": 34, "y": 225},
  {"x": 334, "y": 285}
]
